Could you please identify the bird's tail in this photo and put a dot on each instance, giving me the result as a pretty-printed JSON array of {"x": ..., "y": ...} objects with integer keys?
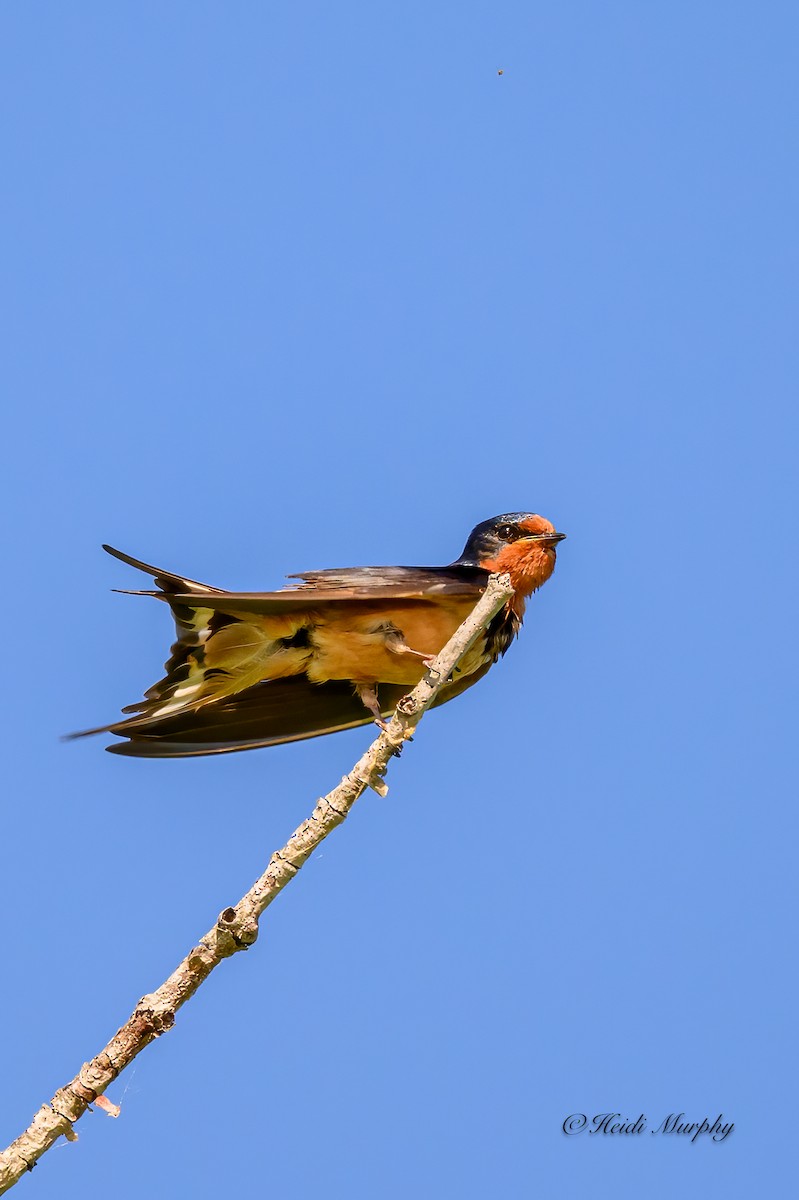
[{"x": 215, "y": 653}]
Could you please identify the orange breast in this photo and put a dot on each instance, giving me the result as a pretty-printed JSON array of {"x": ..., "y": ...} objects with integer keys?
[{"x": 352, "y": 645}]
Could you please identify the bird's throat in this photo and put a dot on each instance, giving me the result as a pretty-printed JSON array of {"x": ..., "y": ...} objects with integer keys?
[{"x": 529, "y": 565}]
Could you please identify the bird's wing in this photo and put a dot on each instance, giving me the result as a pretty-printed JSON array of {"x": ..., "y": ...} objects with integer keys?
[
  {"x": 281, "y": 710},
  {"x": 319, "y": 589},
  {"x": 372, "y": 579},
  {"x": 419, "y": 583}
]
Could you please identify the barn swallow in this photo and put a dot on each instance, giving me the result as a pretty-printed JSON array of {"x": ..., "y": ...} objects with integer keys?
[{"x": 332, "y": 652}]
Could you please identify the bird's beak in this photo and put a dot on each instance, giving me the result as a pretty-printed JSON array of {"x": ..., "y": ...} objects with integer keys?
[{"x": 548, "y": 539}]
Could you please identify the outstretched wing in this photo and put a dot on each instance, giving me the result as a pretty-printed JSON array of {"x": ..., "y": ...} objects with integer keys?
[{"x": 271, "y": 713}]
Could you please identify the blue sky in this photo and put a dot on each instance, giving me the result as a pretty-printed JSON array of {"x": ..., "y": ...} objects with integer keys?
[{"x": 293, "y": 286}]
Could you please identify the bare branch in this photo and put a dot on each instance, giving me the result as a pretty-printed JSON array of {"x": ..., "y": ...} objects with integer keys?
[{"x": 237, "y": 927}]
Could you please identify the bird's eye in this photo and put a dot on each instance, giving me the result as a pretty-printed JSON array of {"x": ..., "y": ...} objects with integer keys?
[{"x": 507, "y": 533}]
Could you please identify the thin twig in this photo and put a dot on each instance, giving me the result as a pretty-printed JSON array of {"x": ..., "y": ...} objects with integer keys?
[{"x": 237, "y": 927}]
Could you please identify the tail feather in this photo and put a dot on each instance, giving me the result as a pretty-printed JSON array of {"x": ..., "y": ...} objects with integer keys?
[
  {"x": 185, "y": 669},
  {"x": 216, "y": 653},
  {"x": 166, "y": 581}
]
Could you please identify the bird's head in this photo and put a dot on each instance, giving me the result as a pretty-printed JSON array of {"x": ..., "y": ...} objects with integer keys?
[{"x": 521, "y": 544}]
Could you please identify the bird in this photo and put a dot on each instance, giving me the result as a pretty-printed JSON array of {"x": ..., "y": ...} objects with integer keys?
[{"x": 332, "y": 652}]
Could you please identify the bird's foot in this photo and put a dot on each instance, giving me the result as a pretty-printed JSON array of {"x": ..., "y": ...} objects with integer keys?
[
  {"x": 368, "y": 697},
  {"x": 395, "y": 642}
]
